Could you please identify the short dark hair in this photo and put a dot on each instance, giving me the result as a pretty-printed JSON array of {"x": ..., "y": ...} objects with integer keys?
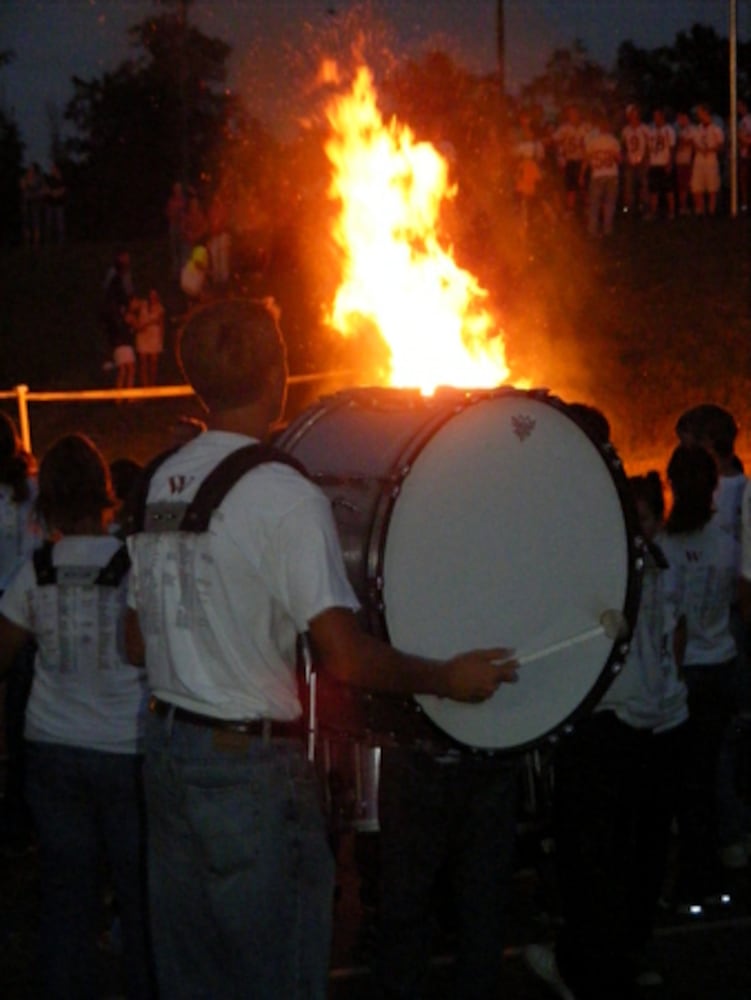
[
  {"x": 693, "y": 476},
  {"x": 227, "y": 350},
  {"x": 124, "y": 473},
  {"x": 648, "y": 489},
  {"x": 593, "y": 420},
  {"x": 74, "y": 483},
  {"x": 710, "y": 422}
]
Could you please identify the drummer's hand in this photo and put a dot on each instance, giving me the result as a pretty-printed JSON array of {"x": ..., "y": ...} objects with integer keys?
[{"x": 476, "y": 675}]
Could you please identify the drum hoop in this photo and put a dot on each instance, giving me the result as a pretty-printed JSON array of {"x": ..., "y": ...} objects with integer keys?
[
  {"x": 375, "y": 540},
  {"x": 313, "y": 417},
  {"x": 378, "y": 535}
]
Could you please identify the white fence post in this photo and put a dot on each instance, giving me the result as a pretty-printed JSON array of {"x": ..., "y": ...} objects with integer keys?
[{"x": 23, "y": 416}]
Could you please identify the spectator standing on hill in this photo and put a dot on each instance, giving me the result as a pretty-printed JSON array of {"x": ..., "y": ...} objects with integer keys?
[
  {"x": 684, "y": 158},
  {"x": 661, "y": 141},
  {"x": 175, "y": 212},
  {"x": 570, "y": 138},
  {"x": 603, "y": 157},
  {"x": 708, "y": 139},
  {"x": 55, "y": 198},
  {"x": 635, "y": 139},
  {"x": 529, "y": 155},
  {"x": 194, "y": 226},
  {"x": 118, "y": 296},
  {"x": 149, "y": 331},
  {"x": 219, "y": 242},
  {"x": 194, "y": 277},
  {"x": 32, "y": 204}
]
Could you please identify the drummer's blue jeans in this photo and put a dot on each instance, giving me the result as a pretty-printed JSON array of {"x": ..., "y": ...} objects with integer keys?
[{"x": 240, "y": 870}]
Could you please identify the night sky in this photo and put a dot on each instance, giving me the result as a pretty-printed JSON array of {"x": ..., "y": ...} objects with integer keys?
[{"x": 53, "y": 39}]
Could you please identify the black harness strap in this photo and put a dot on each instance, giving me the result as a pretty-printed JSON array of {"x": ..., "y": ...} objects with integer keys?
[
  {"x": 212, "y": 490},
  {"x": 134, "y": 510},
  {"x": 110, "y": 575}
]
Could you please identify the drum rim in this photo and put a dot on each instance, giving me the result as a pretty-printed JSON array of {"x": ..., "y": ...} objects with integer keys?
[
  {"x": 374, "y": 540},
  {"x": 386, "y": 504}
]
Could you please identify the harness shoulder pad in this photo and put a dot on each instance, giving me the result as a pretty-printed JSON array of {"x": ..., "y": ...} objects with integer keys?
[
  {"x": 111, "y": 575},
  {"x": 225, "y": 475},
  {"x": 134, "y": 512}
]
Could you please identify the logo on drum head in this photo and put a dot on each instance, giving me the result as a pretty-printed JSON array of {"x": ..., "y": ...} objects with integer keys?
[{"x": 523, "y": 426}]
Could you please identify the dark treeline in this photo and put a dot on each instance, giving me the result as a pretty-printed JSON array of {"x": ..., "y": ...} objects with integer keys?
[{"x": 166, "y": 114}]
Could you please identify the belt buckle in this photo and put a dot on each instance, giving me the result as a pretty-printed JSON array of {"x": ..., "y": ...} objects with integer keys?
[{"x": 230, "y": 740}]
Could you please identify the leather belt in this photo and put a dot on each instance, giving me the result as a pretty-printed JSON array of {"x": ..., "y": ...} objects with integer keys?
[{"x": 267, "y": 728}]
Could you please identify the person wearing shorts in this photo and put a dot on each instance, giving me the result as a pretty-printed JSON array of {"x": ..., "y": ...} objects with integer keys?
[
  {"x": 708, "y": 139},
  {"x": 570, "y": 138}
]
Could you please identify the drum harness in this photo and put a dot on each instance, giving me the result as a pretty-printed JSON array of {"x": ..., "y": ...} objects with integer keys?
[
  {"x": 195, "y": 517},
  {"x": 111, "y": 575}
]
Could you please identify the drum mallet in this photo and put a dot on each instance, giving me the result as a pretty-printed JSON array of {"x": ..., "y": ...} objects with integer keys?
[{"x": 612, "y": 624}]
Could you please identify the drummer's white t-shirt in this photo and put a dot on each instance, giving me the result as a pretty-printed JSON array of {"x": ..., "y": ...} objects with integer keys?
[
  {"x": 84, "y": 692},
  {"x": 220, "y": 611}
]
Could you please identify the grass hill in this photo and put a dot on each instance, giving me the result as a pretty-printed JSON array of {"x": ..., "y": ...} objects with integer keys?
[{"x": 642, "y": 325}]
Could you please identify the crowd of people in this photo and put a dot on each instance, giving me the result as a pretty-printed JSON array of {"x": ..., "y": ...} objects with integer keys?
[
  {"x": 655, "y": 169},
  {"x": 658, "y": 749},
  {"x": 134, "y": 326},
  {"x": 162, "y": 640}
]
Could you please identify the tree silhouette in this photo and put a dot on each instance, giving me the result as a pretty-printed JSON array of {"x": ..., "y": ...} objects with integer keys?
[
  {"x": 694, "y": 68},
  {"x": 164, "y": 114}
]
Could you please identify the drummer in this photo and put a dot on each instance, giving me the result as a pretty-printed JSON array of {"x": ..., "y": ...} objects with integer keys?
[{"x": 240, "y": 871}]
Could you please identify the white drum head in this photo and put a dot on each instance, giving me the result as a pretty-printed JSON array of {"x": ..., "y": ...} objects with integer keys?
[{"x": 508, "y": 530}]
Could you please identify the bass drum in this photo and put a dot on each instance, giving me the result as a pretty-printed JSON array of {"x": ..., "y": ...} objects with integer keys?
[{"x": 476, "y": 519}]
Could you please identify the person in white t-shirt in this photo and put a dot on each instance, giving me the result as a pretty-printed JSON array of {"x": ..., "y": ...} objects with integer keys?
[
  {"x": 714, "y": 428},
  {"x": 661, "y": 140},
  {"x": 83, "y": 725},
  {"x": 703, "y": 557},
  {"x": 684, "y": 158},
  {"x": 708, "y": 139},
  {"x": 603, "y": 157},
  {"x": 569, "y": 138},
  {"x": 240, "y": 868}
]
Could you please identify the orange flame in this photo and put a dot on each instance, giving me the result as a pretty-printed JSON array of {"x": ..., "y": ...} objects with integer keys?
[{"x": 396, "y": 274}]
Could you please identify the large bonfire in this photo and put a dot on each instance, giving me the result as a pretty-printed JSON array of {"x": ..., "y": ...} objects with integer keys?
[{"x": 399, "y": 277}]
